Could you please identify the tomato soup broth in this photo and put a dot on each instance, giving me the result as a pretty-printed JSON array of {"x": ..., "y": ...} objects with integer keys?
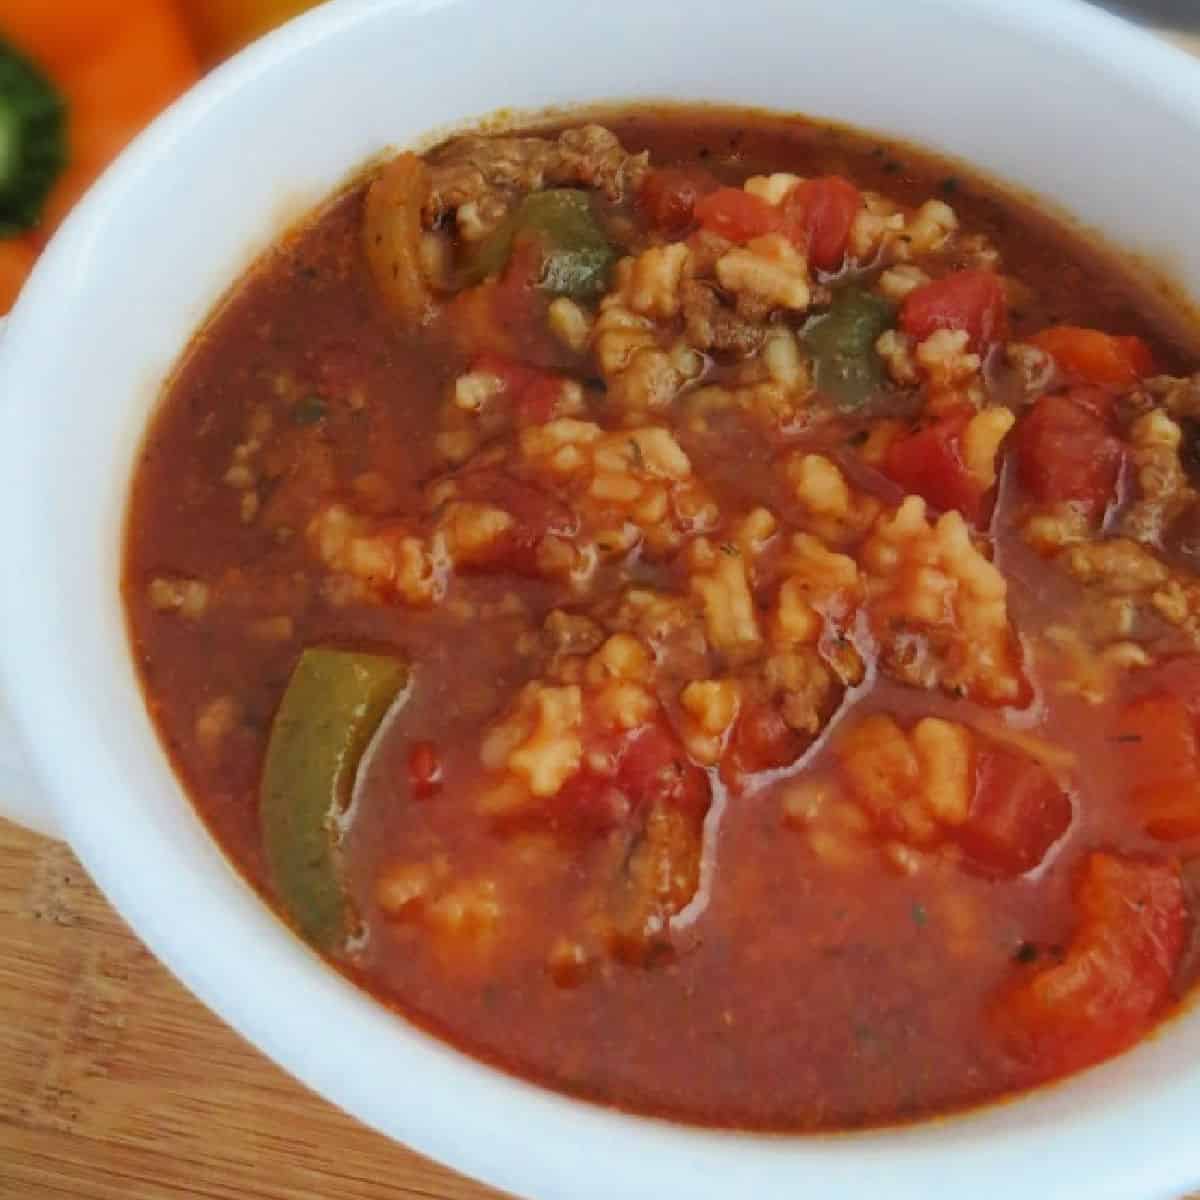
[{"x": 699, "y": 610}]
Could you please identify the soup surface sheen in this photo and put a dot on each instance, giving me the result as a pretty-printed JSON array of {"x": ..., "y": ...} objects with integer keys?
[{"x": 700, "y": 610}]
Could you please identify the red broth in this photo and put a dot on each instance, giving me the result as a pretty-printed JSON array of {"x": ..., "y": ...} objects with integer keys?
[{"x": 801, "y": 616}]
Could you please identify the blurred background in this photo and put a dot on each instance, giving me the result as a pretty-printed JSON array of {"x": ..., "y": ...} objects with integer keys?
[{"x": 79, "y": 78}]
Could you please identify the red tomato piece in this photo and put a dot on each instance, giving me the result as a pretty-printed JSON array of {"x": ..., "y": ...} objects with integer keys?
[
  {"x": 929, "y": 463},
  {"x": 1117, "y": 972},
  {"x": 969, "y": 300},
  {"x": 532, "y": 394},
  {"x": 1067, "y": 451},
  {"x": 737, "y": 215},
  {"x": 506, "y": 316},
  {"x": 1179, "y": 677},
  {"x": 1017, "y": 813},
  {"x": 538, "y": 401},
  {"x": 591, "y": 804},
  {"x": 652, "y": 768},
  {"x": 424, "y": 768},
  {"x": 818, "y": 215},
  {"x": 655, "y": 767},
  {"x": 668, "y": 196},
  {"x": 1095, "y": 357},
  {"x": 1160, "y": 753},
  {"x": 763, "y": 740}
]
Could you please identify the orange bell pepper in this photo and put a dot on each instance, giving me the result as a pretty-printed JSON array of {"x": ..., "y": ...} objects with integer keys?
[
  {"x": 115, "y": 64},
  {"x": 17, "y": 257},
  {"x": 223, "y": 26}
]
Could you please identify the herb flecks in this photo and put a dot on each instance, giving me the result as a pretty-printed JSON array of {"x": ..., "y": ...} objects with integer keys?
[{"x": 1025, "y": 953}]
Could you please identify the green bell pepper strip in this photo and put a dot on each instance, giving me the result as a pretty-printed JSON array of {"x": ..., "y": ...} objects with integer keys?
[
  {"x": 33, "y": 141},
  {"x": 333, "y": 705},
  {"x": 842, "y": 343},
  {"x": 577, "y": 257}
]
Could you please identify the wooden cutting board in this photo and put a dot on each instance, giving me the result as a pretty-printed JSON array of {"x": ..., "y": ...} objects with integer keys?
[{"x": 115, "y": 1084}]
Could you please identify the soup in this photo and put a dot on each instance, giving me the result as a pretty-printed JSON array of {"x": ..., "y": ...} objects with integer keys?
[{"x": 699, "y": 610}]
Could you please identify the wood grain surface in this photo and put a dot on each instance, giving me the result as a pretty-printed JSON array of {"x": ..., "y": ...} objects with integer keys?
[{"x": 115, "y": 1084}]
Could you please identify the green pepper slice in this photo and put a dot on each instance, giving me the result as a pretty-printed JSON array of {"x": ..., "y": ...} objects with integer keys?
[
  {"x": 842, "y": 342},
  {"x": 577, "y": 257},
  {"x": 335, "y": 701},
  {"x": 33, "y": 141}
]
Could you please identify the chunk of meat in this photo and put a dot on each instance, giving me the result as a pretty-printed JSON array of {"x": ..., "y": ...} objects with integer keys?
[
  {"x": 1018, "y": 811},
  {"x": 1067, "y": 451},
  {"x": 659, "y": 799},
  {"x": 1163, "y": 509},
  {"x": 472, "y": 167},
  {"x": 973, "y": 301},
  {"x": 1160, "y": 754},
  {"x": 1116, "y": 975},
  {"x": 392, "y": 236},
  {"x": 712, "y": 325},
  {"x": 668, "y": 196},
  {"x": 659, "y": 878}
]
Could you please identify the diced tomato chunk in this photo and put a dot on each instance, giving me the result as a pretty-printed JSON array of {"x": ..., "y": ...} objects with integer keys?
[
  {"x": 970, "y": 300},
  {"x": 737, "y": 215},
  {"x": 506, "y": 316},
  {"x": 818, "y": 215},
  {"x": 655, "y": 767},
  {"x": 424, "y": 768},
  {"x": 668, "y": 196},
  {"x": 590, "y": 804},
  {"x": 538, "y": 400},
  {"x": 531, "y": 393},
  {"x": 652, "y": 769},
  {"x": 1117, "y": 972},
  {"x": 762, "y": 741},
  {"x": 929, "y": 463},
  {"x": 1179, "y": 677},
  {"x": 1160, "y": 753},
  {"x": 1017, "y": 813},
  {"x": 1067, "y": 451},
  {"x": 1095, "y": 357}
]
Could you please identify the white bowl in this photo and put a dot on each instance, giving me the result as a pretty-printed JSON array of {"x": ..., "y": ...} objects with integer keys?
[{"x": 1050, "y": 95}]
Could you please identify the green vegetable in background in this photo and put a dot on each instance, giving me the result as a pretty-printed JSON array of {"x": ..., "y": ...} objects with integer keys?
[
  {"x": 842, "y": 343},
  {"x": 576, "y": 255},
  {"x": 33, "y": 141},
  {"x": 333, "y": 705}
]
